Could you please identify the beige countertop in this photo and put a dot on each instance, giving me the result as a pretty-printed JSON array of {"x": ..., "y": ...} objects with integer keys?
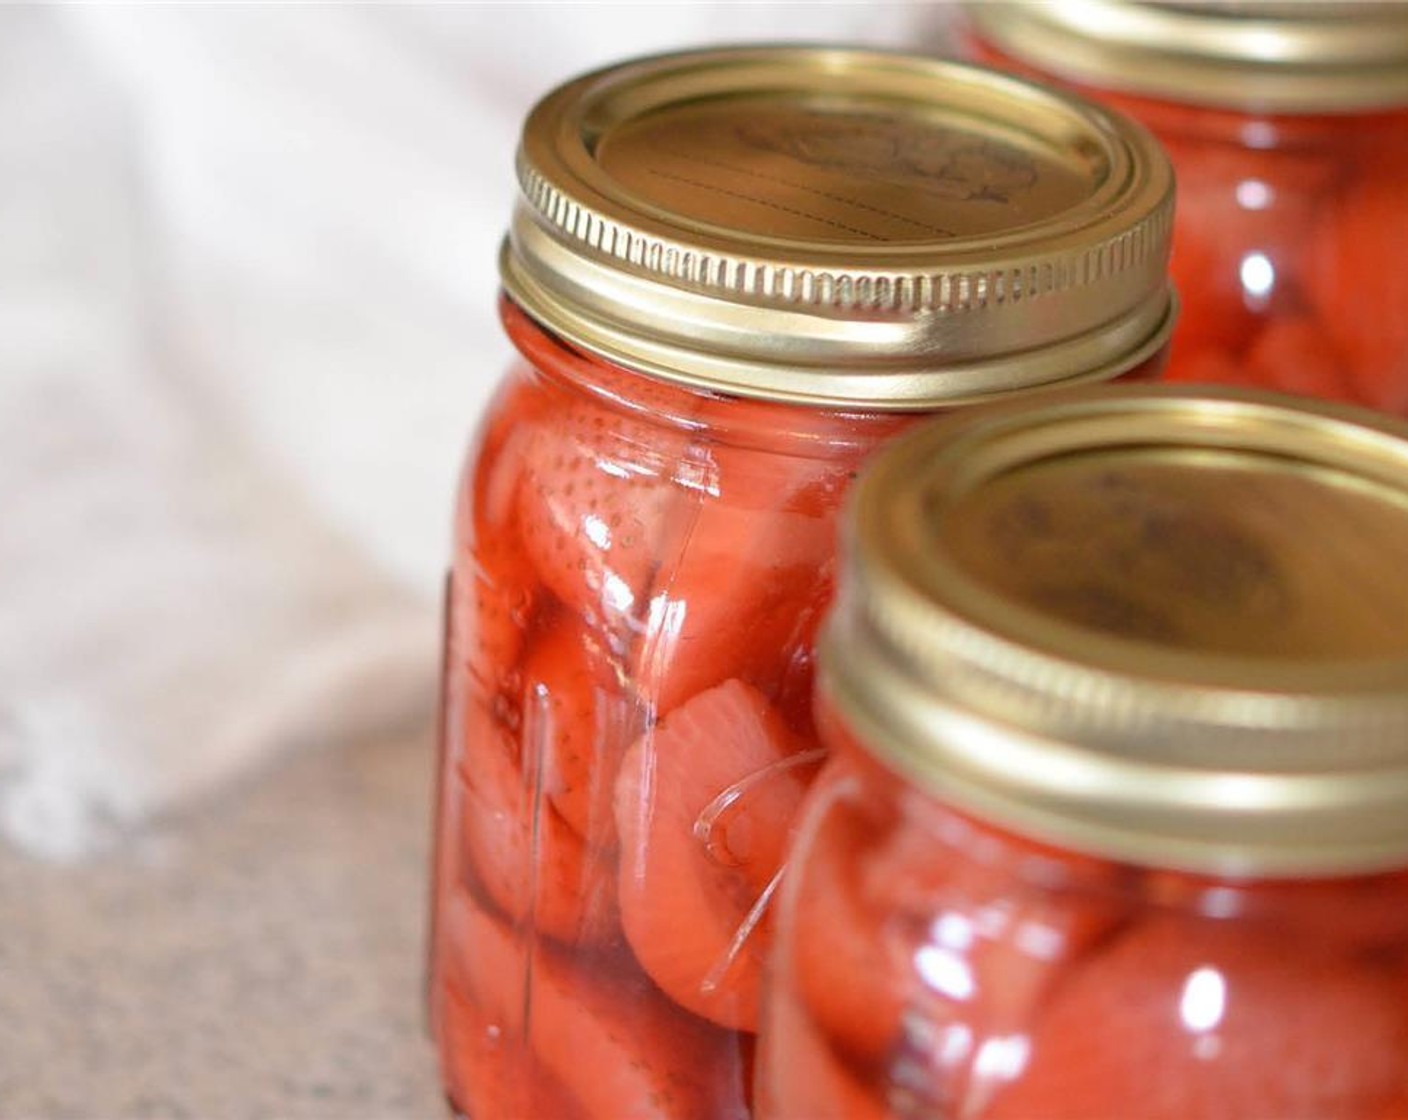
[{"x": 260, "y": 957}]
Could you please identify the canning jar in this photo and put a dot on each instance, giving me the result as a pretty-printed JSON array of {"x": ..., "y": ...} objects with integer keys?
[
  {"x": 1287, "y": 125},
  {"x": 729, "y": 276},
  {"x": 1116, "y": 818}
]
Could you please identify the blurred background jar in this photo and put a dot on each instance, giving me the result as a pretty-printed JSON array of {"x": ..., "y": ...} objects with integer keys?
[
  {"x": 730, "y": 275},
  {"x": 1117, "y": 819},
  {"x": 1287, "y": 124}
]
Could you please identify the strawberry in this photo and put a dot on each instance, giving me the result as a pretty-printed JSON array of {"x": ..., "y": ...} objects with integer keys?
[
  {"x": 1199, "y": 1019},
  {"x": 742, "y": 600},
  {"x": 802, "y": 1076},
  {"x": 579, "y": 713},
  {"x": 521, "y": 852},
  {"x": 753, "y": 573},
  {"x": 1357, "y": 280},
  {"x": 833, "y": 938},
  {"x": 493, "y": 592},
  {"x": 1296, "y": 355},
  {"x": 1368, "y": 913},
  {"x": 1239, "y": 236},
  {"x": 956, "y": 928},
  {"x": 602, "y": 494},
  {"x": 489, "y": 1075},
  {"x": 704, "y": 804},
  {"x": 604, "y": 1034}
]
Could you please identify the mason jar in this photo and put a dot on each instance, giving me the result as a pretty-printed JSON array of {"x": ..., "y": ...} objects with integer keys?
[
  {"x": 729, "y": 277},
  {"x": 1287, "y": 125},
  {"x": 1116, "y": 818}
]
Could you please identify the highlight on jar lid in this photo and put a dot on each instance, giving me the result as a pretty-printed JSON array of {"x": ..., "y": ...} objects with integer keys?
[
  {"x": 1156, "y": 624},
  {"x": 840, "y": 226},
  {"x": 1280, "y": 56}
]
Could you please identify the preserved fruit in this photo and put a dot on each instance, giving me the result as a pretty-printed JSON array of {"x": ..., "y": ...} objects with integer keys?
[
  {"x": 724, "y": 297},
  {"x": 1288, "y": 128},
  {"x": 1115, "y": 818}
]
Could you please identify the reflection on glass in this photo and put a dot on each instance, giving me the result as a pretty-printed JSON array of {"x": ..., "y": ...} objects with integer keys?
[
  {"x": 1258, "y": 277},
  {"x": 1204, "y": 1000}
]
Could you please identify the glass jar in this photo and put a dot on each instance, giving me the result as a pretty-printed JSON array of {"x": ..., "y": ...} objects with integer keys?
[
  {"x": 726, "y": 287},
  {"x": 1288, "y": 128},
  {"x": 1116, "y": 818}
]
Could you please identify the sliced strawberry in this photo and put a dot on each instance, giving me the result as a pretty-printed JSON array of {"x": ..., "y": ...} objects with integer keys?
[
  {"x": 494, "y": 591},
  {"x": 607, "y": 1035},
  {"x": 1347, "y": 915},
  {"x": 996, "y": 922},
  {"x": 580, "y": 716},
  {"x": 801, "y": 1076},
  {"x": 495, "y": 462},
  {"x": 1357, "y": 280},
  {"x": 1291, "y": 354},
  {"x": 1201, "y": 1020},
  {"x": 741, "y": 601},
  {"x": 597, "y": 510},
  {"x": 522, "y": 854},
  {"x": 753, "y": 569},
  {"x": 1239, "y": 235},
  {"x": 610, "y": 476},
  {"x": 488, "y": 1075},
  {"x": 948, "y": 938},
  {"x": 933, "y": 855},
  {"x": 1390, "y": 1108},
  {"x": 704, "y": 805},
  {"x": 1296, "y": 355},
  {"x": 842, "y": 952}
]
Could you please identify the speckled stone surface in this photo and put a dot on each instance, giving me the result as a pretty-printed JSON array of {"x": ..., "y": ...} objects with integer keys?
[{"x": 258, "y": 958}]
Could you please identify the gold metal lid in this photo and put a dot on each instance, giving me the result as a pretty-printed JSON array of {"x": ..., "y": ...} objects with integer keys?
[
  {"x": 1275, "y": 56},
  {"x": 841, "y": 227},
  {"x": 1164, "y": 625}
]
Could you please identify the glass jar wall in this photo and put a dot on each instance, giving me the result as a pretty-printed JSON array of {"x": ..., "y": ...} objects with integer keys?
[
  {"x": 645, "y": 532},
  {"x": 935, "y": 966},
  {"x": 1288, "y": 128},
  {"x": 642, "y": 568}
]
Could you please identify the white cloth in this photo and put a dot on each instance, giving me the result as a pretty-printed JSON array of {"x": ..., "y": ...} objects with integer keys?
[{"x": 246, "y": 324}]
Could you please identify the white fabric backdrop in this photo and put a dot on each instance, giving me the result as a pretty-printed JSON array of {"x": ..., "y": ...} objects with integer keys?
[{"x": 246, "y": 323}]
